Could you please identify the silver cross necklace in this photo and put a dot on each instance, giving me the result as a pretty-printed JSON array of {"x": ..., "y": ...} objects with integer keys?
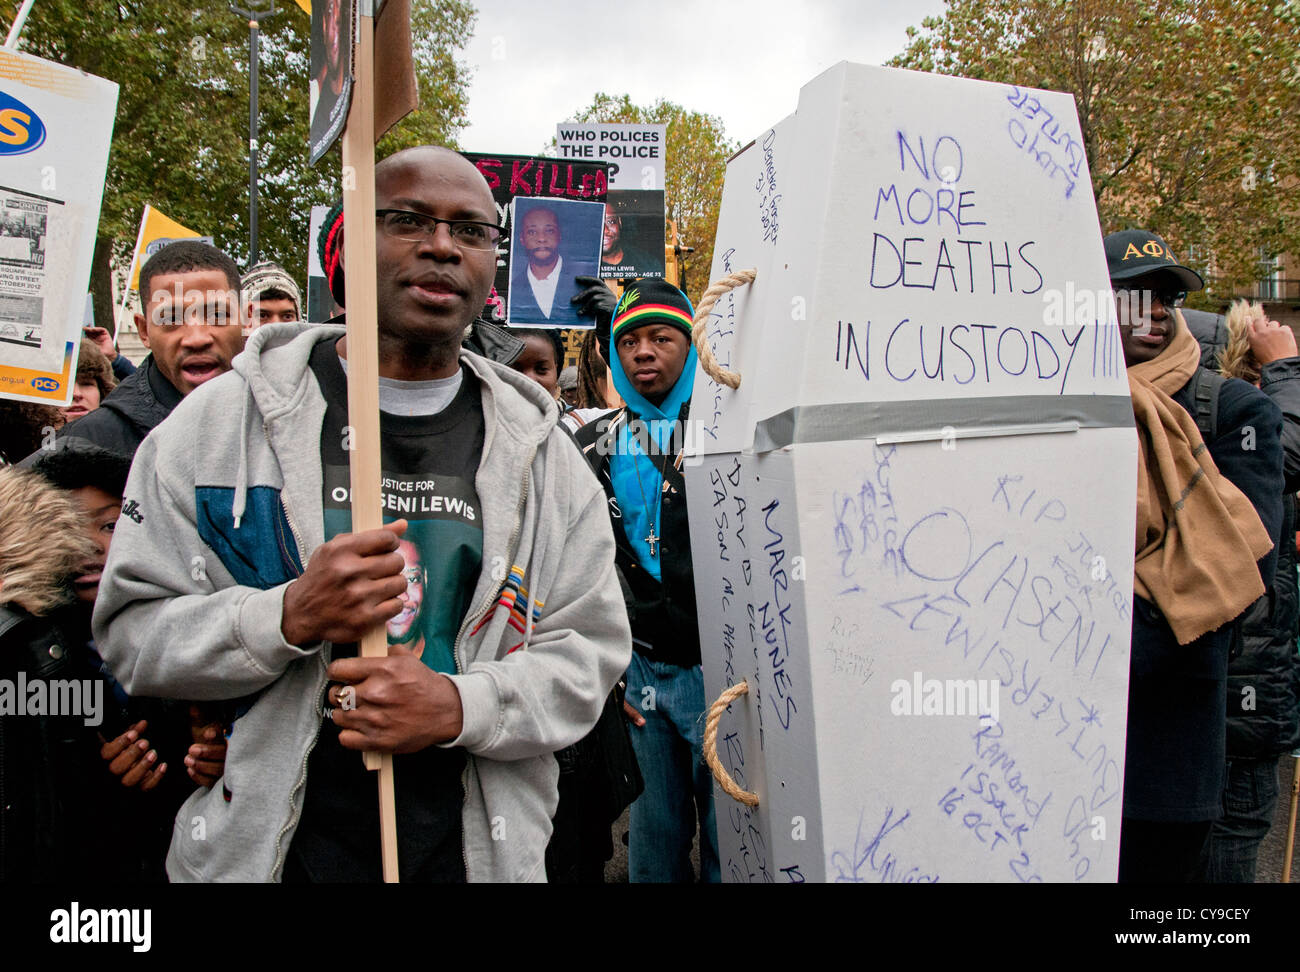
[{"x": 650, "y": 538}]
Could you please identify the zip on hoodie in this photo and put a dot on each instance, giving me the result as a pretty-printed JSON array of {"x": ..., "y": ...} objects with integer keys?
[
  {"x": 486, "y": 604},
  {"x": 321, "y": 681}
]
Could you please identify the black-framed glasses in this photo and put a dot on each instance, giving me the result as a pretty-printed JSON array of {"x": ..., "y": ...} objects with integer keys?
[
  {"x": 402, "y": 224},
  {"x": 1167, "y": 297}
]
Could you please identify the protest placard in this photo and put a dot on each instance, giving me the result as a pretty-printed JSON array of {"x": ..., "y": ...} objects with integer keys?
[
  {"x": 331, "y": 73},
  {"x": 509, "y": 176},
  {"x": 334, "y": 69},
  {"x": 634, "y": 152},
  {"x": 56, "y": 124},
  {"x": 396, "y": 91},
  {"x": 912, "y": 522},
  {"x": 633, "y": 242}
]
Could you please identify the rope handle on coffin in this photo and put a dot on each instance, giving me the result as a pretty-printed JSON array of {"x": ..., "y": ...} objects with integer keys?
[
  {"x": 711, "y": 728},
  {"x": 699, "y": 337}
]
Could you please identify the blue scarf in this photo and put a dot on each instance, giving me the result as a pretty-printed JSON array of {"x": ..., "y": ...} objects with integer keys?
[{"x": 640, "y": 501}]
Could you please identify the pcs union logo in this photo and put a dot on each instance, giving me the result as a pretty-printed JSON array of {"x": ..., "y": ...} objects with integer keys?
[
  {"x": 21, "y": 129},
  {"x": 45, "y": 384}
]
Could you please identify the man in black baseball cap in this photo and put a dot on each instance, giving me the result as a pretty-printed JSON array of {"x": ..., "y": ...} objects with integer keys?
[
  {"x": 1139, "y": 253},
  {"x": 1149, "y": 283},
  {"x": 1208, "y": 519}
]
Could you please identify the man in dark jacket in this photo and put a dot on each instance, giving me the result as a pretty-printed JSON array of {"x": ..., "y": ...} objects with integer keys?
[
  {"x": 1263, "y": 697},
  {"x": 193, "y": 328},
  {"x": 1183, "y": 616}
]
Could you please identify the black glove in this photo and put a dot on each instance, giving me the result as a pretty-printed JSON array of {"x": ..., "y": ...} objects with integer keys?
[{"x": 597, "y": 301}]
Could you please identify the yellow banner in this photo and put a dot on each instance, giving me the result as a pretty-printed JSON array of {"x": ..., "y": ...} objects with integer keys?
[{"x": 156, "y": 231}]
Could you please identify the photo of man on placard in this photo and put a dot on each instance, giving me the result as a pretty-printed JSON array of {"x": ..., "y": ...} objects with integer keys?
[{"x": 553, "y": 242}]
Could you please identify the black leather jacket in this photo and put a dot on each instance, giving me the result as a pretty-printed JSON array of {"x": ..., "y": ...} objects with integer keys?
[
  {"x": 130, "y": 412},
  {"x": 50, "y": 823},
  {"x": 63, "y": 815}
]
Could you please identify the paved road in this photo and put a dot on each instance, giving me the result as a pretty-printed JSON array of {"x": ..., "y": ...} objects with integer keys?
[
  {"x": 1272, "y": 851},
  {"x": 616, "y": 866}
]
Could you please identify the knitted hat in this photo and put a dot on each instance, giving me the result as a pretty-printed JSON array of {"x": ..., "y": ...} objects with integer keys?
[
  {"x": 270, "y": 276},
  {"x": 328, "y": 248},
  {"x": 651, "y": 301}
]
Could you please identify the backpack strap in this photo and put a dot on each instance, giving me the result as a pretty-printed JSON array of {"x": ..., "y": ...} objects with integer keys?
[{"x": 1206, "y": 388}]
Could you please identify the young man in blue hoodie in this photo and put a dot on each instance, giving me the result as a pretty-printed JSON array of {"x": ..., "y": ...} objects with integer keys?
[
  {"x": 241, "y": 580},
  {"x": 637, "y": 455}
]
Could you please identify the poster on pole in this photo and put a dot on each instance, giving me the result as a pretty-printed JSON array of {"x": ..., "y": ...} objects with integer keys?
[
  {"x": 396, "y": 92},
  {"x": 56, "y": 124},
  {"x": 331, "y": 73},
  {"x": 632, "y": 244},
  {"x": 511, "y": 176},
  {"x": 333, "y": 69}
]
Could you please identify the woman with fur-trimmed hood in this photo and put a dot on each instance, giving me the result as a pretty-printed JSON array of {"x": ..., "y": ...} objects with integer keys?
[{"x": 48, "y": 763}]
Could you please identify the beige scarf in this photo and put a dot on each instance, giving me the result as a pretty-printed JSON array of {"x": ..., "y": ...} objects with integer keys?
[{"x": 1198, "y": 536}]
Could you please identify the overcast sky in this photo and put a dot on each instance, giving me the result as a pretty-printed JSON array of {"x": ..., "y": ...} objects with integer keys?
[{"x": 536, "y": 63}]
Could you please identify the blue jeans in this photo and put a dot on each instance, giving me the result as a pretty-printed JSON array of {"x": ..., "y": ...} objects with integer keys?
[
  {"x": 678, "y": 784},
  {"x": 1249, "y": 797}
]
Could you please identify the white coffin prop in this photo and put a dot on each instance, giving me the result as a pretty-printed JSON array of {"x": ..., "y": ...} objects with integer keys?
[{"x": 912, "y": 523}]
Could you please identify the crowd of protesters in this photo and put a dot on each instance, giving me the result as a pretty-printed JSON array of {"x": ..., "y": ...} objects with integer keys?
[{"x": 221, "y": 627}]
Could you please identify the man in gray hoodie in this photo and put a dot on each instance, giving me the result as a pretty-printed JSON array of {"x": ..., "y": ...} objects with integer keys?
[{"x": 206, "y": 595}]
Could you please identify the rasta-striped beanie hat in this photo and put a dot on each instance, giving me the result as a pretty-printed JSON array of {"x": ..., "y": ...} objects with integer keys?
[
  {"x": 328, "y": 248},
  {"x": 651, "y": 301}
]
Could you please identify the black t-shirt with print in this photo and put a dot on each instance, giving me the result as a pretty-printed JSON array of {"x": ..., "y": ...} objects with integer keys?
[{"x": 428, "y": 466}]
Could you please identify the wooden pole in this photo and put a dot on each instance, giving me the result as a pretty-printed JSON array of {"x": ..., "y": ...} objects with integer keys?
[
  {"x": 363, "y": 364},
  {"x": 1290, "y": 829}
]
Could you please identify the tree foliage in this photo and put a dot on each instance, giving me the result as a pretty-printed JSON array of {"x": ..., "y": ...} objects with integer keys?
[
  {"x": 180, "y": 140},
  {"x": 1189, "y": 110},
  {"x": 696, "y": 161}
]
